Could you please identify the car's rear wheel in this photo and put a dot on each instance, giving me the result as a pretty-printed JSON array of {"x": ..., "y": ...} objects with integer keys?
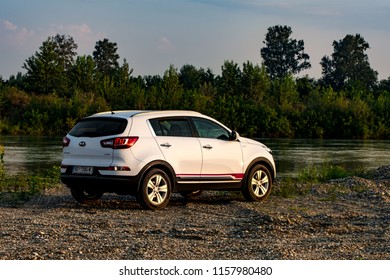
[
  {"x": 155, "y": 190},
  {"x": 83, "y": 195},
  {"x": 258, "y": 183}
]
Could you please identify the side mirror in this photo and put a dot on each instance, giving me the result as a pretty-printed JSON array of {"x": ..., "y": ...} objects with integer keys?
[{"x": 234, "y": 136}]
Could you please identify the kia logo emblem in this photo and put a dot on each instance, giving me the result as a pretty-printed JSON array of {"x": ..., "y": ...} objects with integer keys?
[{"x": 82, "y": 144}]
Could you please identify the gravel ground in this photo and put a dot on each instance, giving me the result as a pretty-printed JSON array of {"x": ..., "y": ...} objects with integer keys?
[{"x": 342, "y": 219}]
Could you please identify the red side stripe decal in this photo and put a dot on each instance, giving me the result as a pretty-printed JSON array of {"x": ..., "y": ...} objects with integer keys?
[{"x": 234, "y": 175}]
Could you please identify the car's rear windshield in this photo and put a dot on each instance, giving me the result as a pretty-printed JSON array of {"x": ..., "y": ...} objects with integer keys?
[{"x": 97, "y": 127}]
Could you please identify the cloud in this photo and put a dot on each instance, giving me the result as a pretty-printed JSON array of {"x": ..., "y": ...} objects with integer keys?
[
  {"x": 28, "y": 40},
  {"x": 9, "y": 25},
  {"x": 164, "y": 44},
  {"x": 82, "y": 34},
  {"x": 71, "y": 29},
  {"x": 13, "y": 35}
]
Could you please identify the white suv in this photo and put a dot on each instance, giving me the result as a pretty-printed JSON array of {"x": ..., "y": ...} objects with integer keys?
[{"x": 151, "y": 154}]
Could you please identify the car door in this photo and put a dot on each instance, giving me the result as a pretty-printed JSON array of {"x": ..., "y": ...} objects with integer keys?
[
  {"x": 179, "y": 147},
  {"x": 222, "y": 157}
]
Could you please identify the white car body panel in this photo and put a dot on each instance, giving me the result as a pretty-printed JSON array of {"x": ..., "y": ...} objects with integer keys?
[
  {"x": 183, "y": 153},
  {"x": 221, "y": 158},
  {"x": 86, "y": 151}
]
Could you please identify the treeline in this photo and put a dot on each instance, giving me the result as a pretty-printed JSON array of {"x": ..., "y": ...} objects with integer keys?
[{"x": 265, "y": 100}]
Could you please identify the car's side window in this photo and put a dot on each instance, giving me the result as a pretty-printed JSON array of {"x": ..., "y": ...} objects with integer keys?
[
  {"x": 171, "y": 127},
  {"x": 209, "y": 129}
]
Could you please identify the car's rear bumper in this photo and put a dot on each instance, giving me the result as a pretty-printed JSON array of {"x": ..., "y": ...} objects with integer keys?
[{"x": 110, "y": 184}]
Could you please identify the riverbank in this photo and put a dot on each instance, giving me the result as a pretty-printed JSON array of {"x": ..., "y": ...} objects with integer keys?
[{"x": 346, "y": 218}]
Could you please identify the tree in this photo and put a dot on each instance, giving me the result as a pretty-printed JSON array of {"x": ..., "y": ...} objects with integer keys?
[
  {"x": 121, "y": 95},
  {"x": 123, "y": 77},
  {"x": 230, "y": 80},
  {"x": 282, "y": 55},
  {"x": 171, "y": 90},
  {"x": 106, "y": 57},
  {"x": 348, "y": 65},
  {"x": 192, "y": 78},
  {"x": 255, "y": 82},
  {"x": 17, "y": 81},
  {"x": 384, "y": 85},
  {"x": 47, "y": 69},
  {"x": 42, "y": 69},
  {"x": 230, "y": 95},
  {"x": 82, "y": 74},
  {"x": 65, "y": 48}
]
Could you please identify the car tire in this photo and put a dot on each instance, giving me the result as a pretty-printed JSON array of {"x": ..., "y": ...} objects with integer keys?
[
  {"x": 83, "y": 195},
  {"x": 258, "y": 183},
  {"x": 155, "y": 190},
  {"x": 191, "y": 194}
]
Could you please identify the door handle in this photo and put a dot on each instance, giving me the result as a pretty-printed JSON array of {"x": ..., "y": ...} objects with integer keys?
[
  {"x": 207, "y": 146},
  {"x": 167, "y": 145}
]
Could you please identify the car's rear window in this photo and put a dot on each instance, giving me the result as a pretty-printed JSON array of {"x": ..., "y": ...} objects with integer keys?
[{"x": 97, "y": 127}]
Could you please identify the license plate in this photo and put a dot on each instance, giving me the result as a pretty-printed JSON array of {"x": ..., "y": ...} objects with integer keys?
[{"x": 85, "y": 170}]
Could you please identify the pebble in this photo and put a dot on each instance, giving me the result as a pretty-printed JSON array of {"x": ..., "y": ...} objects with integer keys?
[{"x": 353, "y": 225}]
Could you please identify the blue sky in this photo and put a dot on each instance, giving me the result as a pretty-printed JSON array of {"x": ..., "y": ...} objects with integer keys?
[{"x": 153, "y": 34}]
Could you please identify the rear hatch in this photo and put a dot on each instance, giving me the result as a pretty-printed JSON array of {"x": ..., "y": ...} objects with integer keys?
[{"x": 83, "y": 147}]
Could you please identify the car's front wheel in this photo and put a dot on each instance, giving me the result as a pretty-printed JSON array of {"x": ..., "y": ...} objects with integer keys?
[
  {"x": 155, "y": 190},
  {"x": 83, "y": 195},
  {"x": 258, "y": 183}
]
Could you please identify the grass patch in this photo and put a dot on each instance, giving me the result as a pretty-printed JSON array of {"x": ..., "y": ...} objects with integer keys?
[
  {"x": 289, "y": 188},
  {"x": 323, "y": 173},
  {"x": 17, "y": 189},
  {"x": 301, "y": 184}
]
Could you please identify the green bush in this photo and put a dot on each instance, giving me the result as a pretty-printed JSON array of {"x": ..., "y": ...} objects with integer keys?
[
  {"x": 323, "y": 173},
  {"x": 16, "y": 189},
  {"x": 303, "y": 182}
]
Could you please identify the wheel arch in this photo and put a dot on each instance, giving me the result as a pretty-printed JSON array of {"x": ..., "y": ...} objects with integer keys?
[
  {"x": 163, "y": 165},
  {"x": 263, "y": 161}
]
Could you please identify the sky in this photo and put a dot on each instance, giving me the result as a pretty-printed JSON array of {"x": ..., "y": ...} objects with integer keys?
[{"x": 154, "y": 34}]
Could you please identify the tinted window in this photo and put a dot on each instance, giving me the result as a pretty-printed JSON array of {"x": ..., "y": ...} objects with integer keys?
[
  {"x": 209, "y": 129},
  {"x": 96, "y": 127},
  {"x": 171, "y": 127}
]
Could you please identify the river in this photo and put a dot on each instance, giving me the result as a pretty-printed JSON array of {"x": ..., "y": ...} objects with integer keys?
[
  {"x": 27, "y": 154},
  {"x": 293, "y": 155}
]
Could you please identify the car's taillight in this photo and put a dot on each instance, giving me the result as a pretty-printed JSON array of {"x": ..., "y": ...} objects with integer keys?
[
  {"x": 65, "y": 142},
  {"x": 119, "y": 142}
]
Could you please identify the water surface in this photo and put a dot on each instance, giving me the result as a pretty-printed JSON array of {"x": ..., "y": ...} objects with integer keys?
[
  {"x": 26, "y": 154},
  {"x": 293, "y": 155}
]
